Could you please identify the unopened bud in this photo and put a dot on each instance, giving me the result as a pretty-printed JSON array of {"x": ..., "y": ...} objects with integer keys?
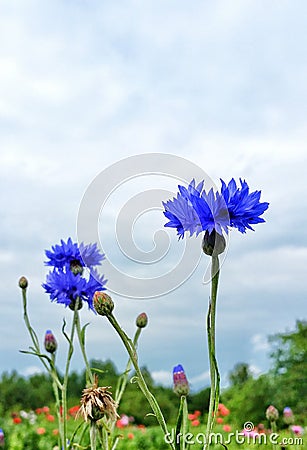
[
  {"x": 103, "y": 303},
  {"x": 213, "y": 243},
  {"x": 50, "y": 342},
  {"x": 181, "y": 385},
  {"x": 288, "y": 416},
  {"x": 141, "y": 320},
  {"x": 271, "y": 413},
  {"x": 23, "y": 283},
  {"x": 2, "y": 440}
]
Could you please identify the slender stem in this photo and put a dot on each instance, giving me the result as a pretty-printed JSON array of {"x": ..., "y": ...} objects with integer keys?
[
  {"x": 124, "y": 377},
  {"x": 30, "y": 329},
  {"x": 214, "y": 373},
  {"x": 274, "y": 429},
  {"x": 55, "y": 387},
  {"x": 93, "y": 435},
  {"x": 65, "y": 381},
  {"x": 89, "y": 375},
  {"x": 140, "y": 379}
]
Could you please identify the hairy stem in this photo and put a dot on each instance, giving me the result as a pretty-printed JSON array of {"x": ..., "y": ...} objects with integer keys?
[
  {"x": 214, "y": 373},
  {"x": 139, "y": 376}
]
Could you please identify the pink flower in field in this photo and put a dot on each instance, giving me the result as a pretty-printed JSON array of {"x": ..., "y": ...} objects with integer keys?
[
  {"x": 195, "y": 423},
  {"x": 227, "y": 428},
  {"x": 50, "y": 418},
  {"x": 222, "y": 410},
  {"x": 219, "y": 420},
  {"x": 41, "y": 430},
  {"x": 297, "y": 429}
]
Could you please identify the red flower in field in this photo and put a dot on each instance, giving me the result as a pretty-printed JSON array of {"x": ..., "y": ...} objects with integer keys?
[
  {"x": 17, "y": 420},
  {"x": 222, "y": 410},
  {"x": 119, "y": 424},
  {"x": 130, "y": 436},
  {"x": 227, "y": 428},
  {"x": 50, "y": 418},
  {"x": 39, "y": 410},
  {"x": 55, "y": 432},
  {"x": 197, "y": 413},
  {"x": 192, "y": 417},
  {"x": 219, "y": 420},
  {"x": 41, "y": 430},
  {"x": 73, "y": 410},
  {"x": 45, "y": 409},
  {"x": 195, "y": 423}
]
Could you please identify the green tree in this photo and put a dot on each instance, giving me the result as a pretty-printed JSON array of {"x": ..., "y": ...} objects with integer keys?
[{"x": 239, "y": 374}]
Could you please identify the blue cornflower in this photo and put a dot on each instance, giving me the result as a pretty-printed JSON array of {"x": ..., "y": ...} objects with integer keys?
[
  {"x": 194, "y": 210},
  {"x": 70, "y": 253},
  {"x": 67, "y": 283},
  {"x": 65, "y": 287}
]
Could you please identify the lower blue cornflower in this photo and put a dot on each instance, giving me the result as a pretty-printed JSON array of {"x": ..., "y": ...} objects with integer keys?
[
  {"x": 67, "y": 283},
  {"x": 66, "y": 288},
  {"x": 194, "y": 210}
]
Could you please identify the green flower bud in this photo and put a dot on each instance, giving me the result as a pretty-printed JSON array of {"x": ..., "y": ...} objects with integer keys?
[
  {"x": 141, "y": 320},
  {"x": 103, "y": 303},
  {"x": 272, "y": 413},
  {"x": 23, "y": 283},
  {"x": 213, "y": 243}
]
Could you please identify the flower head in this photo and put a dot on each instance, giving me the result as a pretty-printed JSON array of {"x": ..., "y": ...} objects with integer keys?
[
  {"x": 68, "y": 283},
  {"x": 181, "y": 385},
  {"x": 97, "y": 402},
  {"x": 194, "y": 210},
  {"x": 69, "y": 253}
]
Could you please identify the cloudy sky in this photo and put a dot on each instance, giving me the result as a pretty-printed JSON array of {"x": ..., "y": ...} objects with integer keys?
[{"x": 84, "y": 85}]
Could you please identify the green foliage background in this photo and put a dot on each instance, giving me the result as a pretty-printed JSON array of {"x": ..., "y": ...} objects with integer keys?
[{"x": 247, "y": 397}]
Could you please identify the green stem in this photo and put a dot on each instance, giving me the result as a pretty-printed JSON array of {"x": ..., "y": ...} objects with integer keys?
[
  {"x": 93, "y": 435},
  {"x": 65, "y": 381},
  {"x": 214, "y": 373},
  {"x": 89, "y": 375},
  {"x": 274, "y": 429},
  {"x": 125, "y": 375},
  {"x": 56, "y": 385},
  {"x": 140, "y": 379},
  {"x": 31, "y": 330}
]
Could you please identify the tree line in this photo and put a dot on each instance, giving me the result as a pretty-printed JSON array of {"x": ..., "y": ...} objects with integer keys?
[{"x": 247, "y": 396}]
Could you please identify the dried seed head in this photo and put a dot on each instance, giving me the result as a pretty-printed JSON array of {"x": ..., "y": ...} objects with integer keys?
[{"x": 97, "y": 402}]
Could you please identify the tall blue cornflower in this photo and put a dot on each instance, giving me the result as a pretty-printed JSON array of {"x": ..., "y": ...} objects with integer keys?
[
  {"x": 66, "y": 283},
  {"x": 194, "y": 210}
]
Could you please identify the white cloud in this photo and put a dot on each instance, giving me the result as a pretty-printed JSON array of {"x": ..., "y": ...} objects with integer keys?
[
  {"x": 163, "y": 377},
  {"x": 31, "y": 370},
  {"x": 260, "y": 343}
]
